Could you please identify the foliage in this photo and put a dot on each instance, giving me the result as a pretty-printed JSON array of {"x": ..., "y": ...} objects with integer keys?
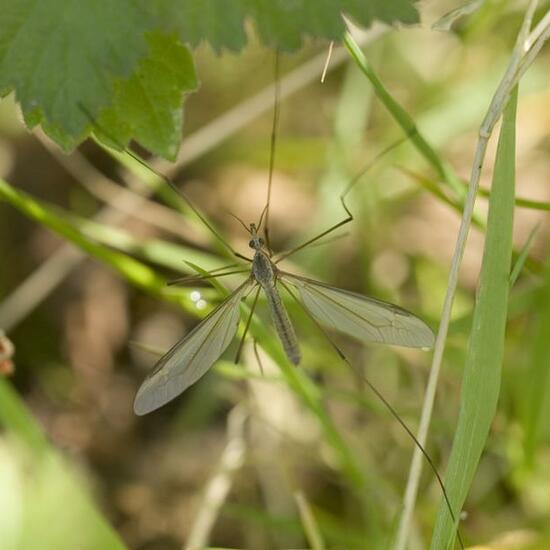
[
  {"x": 124, "y": 63},
  {"x": 482, "y": 375},
  {"x": 324, "y": 460}
]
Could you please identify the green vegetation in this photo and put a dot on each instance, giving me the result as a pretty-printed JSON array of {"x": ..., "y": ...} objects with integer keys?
[{"x": 265, "y": 454}]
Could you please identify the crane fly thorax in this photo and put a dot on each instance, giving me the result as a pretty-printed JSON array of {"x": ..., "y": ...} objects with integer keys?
[{"x": 263, "y": 269}]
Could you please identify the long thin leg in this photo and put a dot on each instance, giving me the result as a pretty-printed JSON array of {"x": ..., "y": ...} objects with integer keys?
[
  {"x": 331, "y": 240},
  {"x": 386, "y": 404},
  {"x": 258, "y": 357},
  {"x": 247, "y": 326},
  {"x": 348, "y": 219},
  {"x": 169, "y": 182},
  {"x": 197, "y": 278},
  {"x": 349, "y": 216},
  {"x": 221, "y": 268},
  {"x": 210, "y": 272},
  {"x": 265, "y": 213},
  {"x": 239, "y": 220}
]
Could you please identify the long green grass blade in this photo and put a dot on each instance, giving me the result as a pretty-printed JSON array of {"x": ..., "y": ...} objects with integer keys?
[
  {"x": 160, "y": 252},
  {"x": 443, "y": 169},
  {"x": 482, "y": 375},
  {"x": 312, "y": 531},
  {"x": 134, "y": 271}
]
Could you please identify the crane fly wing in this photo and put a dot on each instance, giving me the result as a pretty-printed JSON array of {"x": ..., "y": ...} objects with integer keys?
[
  {"x": 192, "y": 356},
  {"x": 363, "y": 318}
]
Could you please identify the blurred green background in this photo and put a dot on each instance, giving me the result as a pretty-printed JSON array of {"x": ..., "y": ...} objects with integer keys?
[{"x": 237, "y": 459}]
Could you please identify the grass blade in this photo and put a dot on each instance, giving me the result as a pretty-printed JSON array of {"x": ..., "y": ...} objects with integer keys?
[
  {"x": 311, "y": 528},
  {"x": 51, "y": 217},
  {"x": 481, "y": 385},
  {"x": 408, "y": 125}
]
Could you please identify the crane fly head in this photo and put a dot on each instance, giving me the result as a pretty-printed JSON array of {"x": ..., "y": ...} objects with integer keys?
[{"x": 256, "y": 242}]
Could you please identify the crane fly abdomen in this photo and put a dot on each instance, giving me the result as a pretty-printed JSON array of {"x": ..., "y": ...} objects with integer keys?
[
  {"x": 282, "y": 323},
  {"x": 265, "y": 274}
]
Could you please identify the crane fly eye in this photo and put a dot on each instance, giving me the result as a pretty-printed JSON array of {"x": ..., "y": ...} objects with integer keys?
[
  {"x": 261, "y": 241},
  {"x": 251, "y": 243}
]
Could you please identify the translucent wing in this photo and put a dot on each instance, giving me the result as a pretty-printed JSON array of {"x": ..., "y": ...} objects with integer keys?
[
  {"x": 365, "y": 319},
  {"x": 192, "y": 356}
]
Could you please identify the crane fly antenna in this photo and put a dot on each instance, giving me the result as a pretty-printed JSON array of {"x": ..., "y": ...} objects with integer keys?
[
  {"x": 247, "y": 326},
  {"x": 166, "y": 179},
  {"x": 332, "y": 239},
  {"x": 265, "y": 213},
  {"x": 247, "y": 229},
  {"x": 257, "y": 354},
  {"x": 264, "y": 210}
]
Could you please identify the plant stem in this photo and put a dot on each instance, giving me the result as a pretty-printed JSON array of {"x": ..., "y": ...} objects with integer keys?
[{"x": 493, "y": 114}]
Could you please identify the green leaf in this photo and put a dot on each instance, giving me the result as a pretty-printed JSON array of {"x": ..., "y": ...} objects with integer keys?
[
  {"x": 69, "y": 60},
  {"x": 218, "y": 22},
  {"x": 481, "y": 385},
  {"x": 279, "y": 23},
  {"x": 57, "y": 54},
  {"x": 285, "y": 24},
  {"x": 147, "y": 106},
  {"x": 394, "y": 11}
]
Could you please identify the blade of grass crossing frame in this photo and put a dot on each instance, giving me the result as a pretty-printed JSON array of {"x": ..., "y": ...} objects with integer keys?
[
  {"x": 136, "y": 272},
  {"x": 312, "y": 531},
  {"x": 445, "y": 171},
  {"x": 482, "y": 374}
]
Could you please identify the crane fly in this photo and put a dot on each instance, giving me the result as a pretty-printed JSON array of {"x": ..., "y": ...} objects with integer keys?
[
  {"x": 360, "y": 317},
  {"x": 363, "y": 318}
]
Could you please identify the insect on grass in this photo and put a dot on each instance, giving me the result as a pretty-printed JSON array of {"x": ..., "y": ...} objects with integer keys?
[{"x": 363, "y": 318}]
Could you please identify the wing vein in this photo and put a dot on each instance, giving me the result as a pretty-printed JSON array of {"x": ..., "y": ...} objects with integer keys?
[
  {"x": 192, "y": 356},
  {"x": 363, "y": 318}
]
